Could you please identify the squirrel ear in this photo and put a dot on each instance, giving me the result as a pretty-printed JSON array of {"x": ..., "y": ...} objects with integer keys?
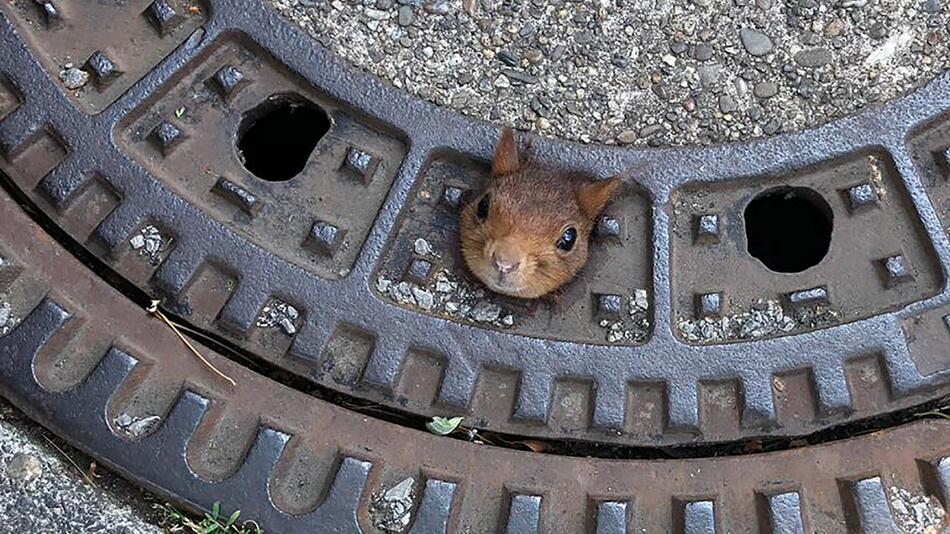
[
  {"x": 594, "y": 197},
  {"x": 506, "y": 154}
]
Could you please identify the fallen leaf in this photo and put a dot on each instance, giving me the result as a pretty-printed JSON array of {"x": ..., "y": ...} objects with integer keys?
[{"x": 442, "y": 426}]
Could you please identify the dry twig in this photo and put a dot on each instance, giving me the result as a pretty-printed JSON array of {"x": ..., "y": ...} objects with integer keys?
[{"x": 153, "y": 309}]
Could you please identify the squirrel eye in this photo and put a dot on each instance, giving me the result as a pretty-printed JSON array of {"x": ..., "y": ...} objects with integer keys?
[
  {"x": 567, "y": 240},
  {"x": 481, "y": 211}
]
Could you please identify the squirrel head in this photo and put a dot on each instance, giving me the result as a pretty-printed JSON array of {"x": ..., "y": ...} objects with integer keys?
[{"x": 527, "y": 233}]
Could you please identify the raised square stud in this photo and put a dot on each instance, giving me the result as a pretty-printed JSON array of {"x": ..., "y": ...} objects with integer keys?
[
  {"x": 325, "y": 238},
  {"x": 104, "y": 70},
  {"x": 228, "y": 81},
  {"x": 238, "y": 196},
  {"x": 51, "y": 14},
  {"x": 815, "y": 295},
  {"x": 360, "y": 164},
  {"x": 707, "y": 228},
  {"x": 167, "y": 136},
  {"x": 607, "y": 227},
  {"x": 896, "y": 270},
  {"x": 861, "y": 196},
  {"x": 419, "y": 271},
  {"x": 162, "y": 16},
  {"x": 609, "y": 305},
  {"x": 452, "y": 196},
  {"x": 708, "y": 304}
]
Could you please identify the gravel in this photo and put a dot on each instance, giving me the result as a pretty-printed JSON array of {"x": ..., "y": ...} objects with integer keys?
[
  {"x": 391, "y": 511},
  {"x": 634, "y": 327},
  {"x": 136, "y": 427},
  {"x": 767, "y": 318},
  {"x": 916, "y": 514},
  {"x": 150, "y": 244},
  {"x": 8, "y": 321},
  {"x": 278, "y": 313},
  {"x": 446, "y": 294},
  {"x": 605, "y": 70}
]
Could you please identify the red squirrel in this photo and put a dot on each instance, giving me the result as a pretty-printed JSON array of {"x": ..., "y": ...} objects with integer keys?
[{"x": 527, "y": 233}]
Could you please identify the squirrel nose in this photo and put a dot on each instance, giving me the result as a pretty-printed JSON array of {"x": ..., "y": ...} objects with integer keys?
[{"x": 505, "y": 266}]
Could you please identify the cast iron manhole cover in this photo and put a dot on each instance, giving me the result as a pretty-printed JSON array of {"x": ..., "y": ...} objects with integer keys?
[{"x": 302, "y": 219}]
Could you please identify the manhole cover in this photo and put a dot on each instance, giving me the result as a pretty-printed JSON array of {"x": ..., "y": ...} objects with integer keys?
[{"x": 303, "y": 220}]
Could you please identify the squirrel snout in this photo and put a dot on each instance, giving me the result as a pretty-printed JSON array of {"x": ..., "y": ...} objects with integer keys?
[{"x": 505, "y": 265}]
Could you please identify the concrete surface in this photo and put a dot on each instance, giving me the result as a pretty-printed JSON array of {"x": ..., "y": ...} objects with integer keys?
[
  {"x": 641, "y": 72},
  {"x": 41, "y": 492}
]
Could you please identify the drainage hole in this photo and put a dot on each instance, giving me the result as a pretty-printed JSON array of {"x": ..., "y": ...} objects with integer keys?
[
  {"x": 789, "y": 229},
  {"x": 277, "y": 137}
]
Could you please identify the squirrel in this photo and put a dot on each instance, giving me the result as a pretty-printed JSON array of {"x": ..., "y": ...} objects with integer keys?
[{"x": 527, "y": 233}]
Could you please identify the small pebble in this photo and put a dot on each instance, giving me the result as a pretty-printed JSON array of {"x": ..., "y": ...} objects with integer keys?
[
  {"x": 704, "y": 52},
  {"x": 507, "y": 58},
  {"x": 650, "y": 130},
  {"x": 438, "y": 7},
  {"x": 755, "y": 42},
  {"x": 24, "y": 468},
  {"x": 583, "y": 37},
  {"x": 727, "y": 104},
  {"x": 534, "y": 55},
  {"x": 406, "y": 16},
  {"x": 765, "y": 89},
  {"x": 74, "y": 78},
  {"x": 627, "y": 137},
  {"x": 813, "y": 58}
]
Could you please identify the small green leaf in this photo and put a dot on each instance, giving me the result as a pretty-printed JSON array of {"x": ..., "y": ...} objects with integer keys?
[
  {"x": 233, "y": 518},
  {"x": 215, "y": 510},
  {"x": 213, "y": 527},
  {"x": 443, "y": 426}
]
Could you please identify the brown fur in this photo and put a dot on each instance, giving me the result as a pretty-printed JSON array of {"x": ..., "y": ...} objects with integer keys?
[{"x": 530, "y": 207}]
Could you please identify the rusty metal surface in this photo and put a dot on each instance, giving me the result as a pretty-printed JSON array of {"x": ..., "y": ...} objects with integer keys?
[
  {"x": 85, "y": 361},
  {"x": 853, "y": 282},
  {"x": 234, "y": 250},
  {"x": 116, "y": 43}
]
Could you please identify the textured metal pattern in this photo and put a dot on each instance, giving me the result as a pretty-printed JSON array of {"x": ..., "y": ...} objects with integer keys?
[
  {"x": 103, "y": 186},
  {"x": 785, "y": 513},
  {"x": 115, "y": 42},
  {"x": 116, "y": 158},
  {"x": 857, "y": 278},
  {"x": 313, "y": 468}
]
